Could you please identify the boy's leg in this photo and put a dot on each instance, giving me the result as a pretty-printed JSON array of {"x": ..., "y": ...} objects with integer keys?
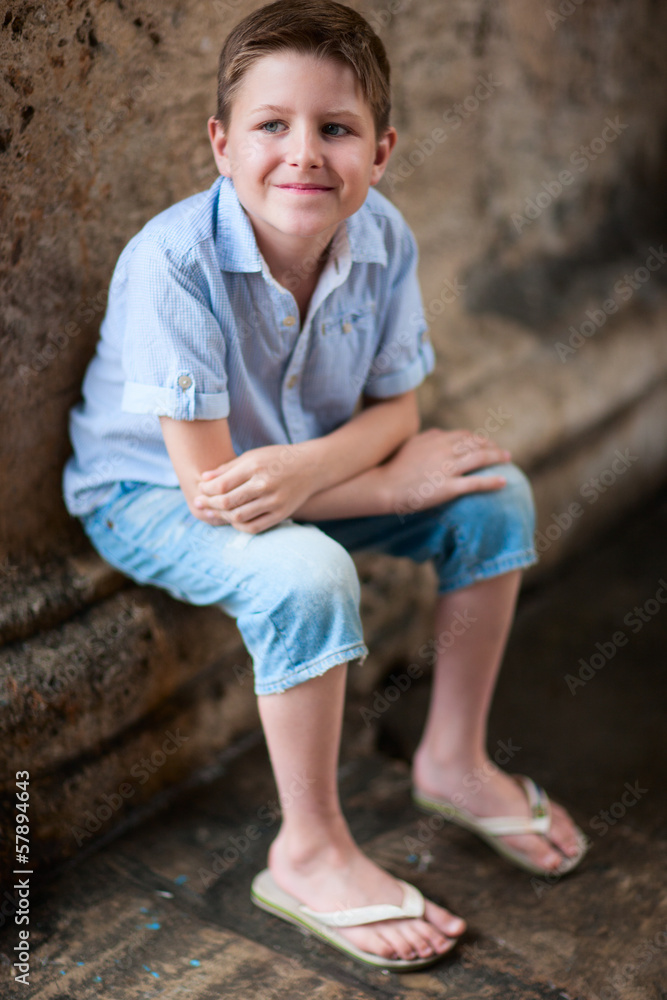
[
  {"x": 295, "y": 595},
  {"x": 479, "y": 543},
  {"x": 314, "y": 856},
  {"x": 453, "y": 744}
]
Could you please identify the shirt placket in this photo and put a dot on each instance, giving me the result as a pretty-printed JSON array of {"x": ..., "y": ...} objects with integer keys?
[
  {"x": 334, "y": 274},
  {"x": 288, "y": 318}
]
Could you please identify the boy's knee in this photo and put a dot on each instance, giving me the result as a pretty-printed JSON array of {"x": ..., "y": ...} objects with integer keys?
[
  {"x": 516, "y": 497},
  {"x": 325, "y": 567}
]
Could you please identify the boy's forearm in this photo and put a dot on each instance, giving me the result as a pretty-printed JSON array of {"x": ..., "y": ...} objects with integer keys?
[
  {"x": 363, "y": 442},
  {"x": 364, "y": 495}
]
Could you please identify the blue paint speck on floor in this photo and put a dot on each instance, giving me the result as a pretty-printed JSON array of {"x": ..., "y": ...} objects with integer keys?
[
  {"x": 195, "y": 961},
  {"x": 153, "y": 927},
  {"x": 180, "y": 879},
  {"x": 143, "y": 909}
]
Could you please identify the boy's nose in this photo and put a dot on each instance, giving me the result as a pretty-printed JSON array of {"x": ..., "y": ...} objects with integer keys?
[{"x": 305, "y": 148}]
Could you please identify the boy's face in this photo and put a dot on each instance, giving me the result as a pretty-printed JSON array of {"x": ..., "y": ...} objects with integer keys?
[{"x": 300, "y": 148}]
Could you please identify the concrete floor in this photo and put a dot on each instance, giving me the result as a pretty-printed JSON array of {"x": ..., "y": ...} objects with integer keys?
[{"x": 146, "y": 916}]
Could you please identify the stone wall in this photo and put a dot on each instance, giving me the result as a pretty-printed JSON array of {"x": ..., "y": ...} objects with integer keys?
[{"x": 531, "y": 166}]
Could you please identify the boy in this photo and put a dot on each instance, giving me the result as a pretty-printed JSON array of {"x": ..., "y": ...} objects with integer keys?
[{"x": 218, "y": 455}]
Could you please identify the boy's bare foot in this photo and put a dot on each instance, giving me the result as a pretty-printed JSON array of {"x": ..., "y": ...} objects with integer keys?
[
  {"x": 334, "y": 874},
  {"x": 488, "y": 791}
]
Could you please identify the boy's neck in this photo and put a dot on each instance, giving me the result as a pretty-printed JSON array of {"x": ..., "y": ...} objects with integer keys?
[{"x": 296, "y": 263}]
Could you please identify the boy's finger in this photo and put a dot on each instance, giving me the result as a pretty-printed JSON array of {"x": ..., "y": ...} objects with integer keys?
[
  {"x": 221, "y": 468},
  {"x": 223, "y": 483},
  {"x": 478, "y": 484},
  {"x": 478, "y": 459}
]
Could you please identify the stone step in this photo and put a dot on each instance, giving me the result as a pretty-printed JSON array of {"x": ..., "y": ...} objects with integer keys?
[
  {"x": 139, "y": 692},
  {"x": 166, "y": 909}
]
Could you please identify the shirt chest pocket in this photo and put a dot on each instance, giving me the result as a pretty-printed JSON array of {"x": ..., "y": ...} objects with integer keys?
[{"x": 353, "y": 327}]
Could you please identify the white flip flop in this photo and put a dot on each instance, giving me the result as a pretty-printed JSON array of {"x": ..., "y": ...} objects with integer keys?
[
  {"x": 491, "y": 828},
  {"x": 266, "y": 894}
]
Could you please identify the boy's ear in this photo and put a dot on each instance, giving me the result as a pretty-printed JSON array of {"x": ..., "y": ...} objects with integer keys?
[
  {"x": 219, "y": 146},
  {"x": 382, "y": 154}
]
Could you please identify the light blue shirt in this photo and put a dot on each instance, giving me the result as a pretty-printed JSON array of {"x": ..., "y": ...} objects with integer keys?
[{"x": 197, "y": 328}]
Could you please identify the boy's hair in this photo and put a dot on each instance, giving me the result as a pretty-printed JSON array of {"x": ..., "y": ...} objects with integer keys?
[{"x": 318, "y": 27}]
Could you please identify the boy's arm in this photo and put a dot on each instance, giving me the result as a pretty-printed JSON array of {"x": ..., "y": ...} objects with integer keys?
[
  {"x": 256, "y": 496},
  {"x": 370, "y": 437},
  {"x": 365, "y": 440},
  {"x": 193, "y": 446}
]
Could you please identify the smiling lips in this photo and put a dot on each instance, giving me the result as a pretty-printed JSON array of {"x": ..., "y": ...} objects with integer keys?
[{"x": 304, "y": 188}]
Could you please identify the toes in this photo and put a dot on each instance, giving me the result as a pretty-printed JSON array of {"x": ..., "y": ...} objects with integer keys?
[
  {"x": 447, "y": 923},
  {"x": 405, "y": 943},
  {"x": 377, "y": 944},
  {"x": 564, "y": 833},
  {"x": 432, "y": 939},
  {"x": 538, "y": 849},
  {"x": 406, "y": 939}
]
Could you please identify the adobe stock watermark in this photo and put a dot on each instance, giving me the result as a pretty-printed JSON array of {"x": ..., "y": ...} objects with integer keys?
[
  {"x": 473, "y": 781},
  {"x": 565, "y": 10},
  {"x": 637, "y": 960},
  {"x": 268, "y": 815},
  {"x": 118, "y": 112},
  {"x": 450, "y": 291},
  {"x": 623, "y": 289},
  {"x": 93, "y": 819},
  {"x": 581, "y": 160},
  {"x": 437, "y": 477},
  {"x": 381, "y": 19},
  {"x": 607, "y": 818},
  {"x": 430, "y": 651},
  {"x": 87, "y": 649},
  {"x": 591, "y": 491},
  {"x": 59, "y": 340},
  {"x": 635, "y": 620},
  {"x": 453, "y": 117}
]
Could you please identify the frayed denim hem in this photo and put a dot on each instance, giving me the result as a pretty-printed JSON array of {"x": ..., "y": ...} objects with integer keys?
[
  {"x": 358, "y": 651},
  {"x": 494, "y": 567}
]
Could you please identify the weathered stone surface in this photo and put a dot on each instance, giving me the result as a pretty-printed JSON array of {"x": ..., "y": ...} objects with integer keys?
[
  {"x": 39, "y": 596},
  {"x": 70, "y": 690},
  {"x": 150, "y": 947}
]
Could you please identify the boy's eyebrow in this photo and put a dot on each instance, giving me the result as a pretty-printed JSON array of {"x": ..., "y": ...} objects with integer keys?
[{"x": 277, "y": 110}]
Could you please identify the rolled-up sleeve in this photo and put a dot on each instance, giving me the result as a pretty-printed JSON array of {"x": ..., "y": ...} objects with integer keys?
[
  {"x": 404, "y": 356},
  {"x": 174, "y": 350}
]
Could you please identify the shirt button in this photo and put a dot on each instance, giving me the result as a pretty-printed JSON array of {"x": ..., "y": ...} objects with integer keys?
[
  {"x": 292, "y": 381},
  {"x": 289, "y": 321},
  {"x": 347, "y": 328},
  {"x": 185, "y": 381}
]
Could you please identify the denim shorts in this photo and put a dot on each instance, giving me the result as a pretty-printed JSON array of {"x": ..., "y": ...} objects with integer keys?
[{"x": 293, "y": 589}]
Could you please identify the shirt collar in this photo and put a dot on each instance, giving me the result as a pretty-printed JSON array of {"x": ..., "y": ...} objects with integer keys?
[{"x": 237, "y": 247}]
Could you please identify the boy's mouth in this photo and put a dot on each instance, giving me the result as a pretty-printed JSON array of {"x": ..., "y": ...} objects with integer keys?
[{"x": 304, "y": 188}]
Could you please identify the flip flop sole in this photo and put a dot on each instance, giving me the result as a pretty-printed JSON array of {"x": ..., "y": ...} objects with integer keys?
[
  {"x": 449, "y": 812},
  {"x": 271, "y": 898}
]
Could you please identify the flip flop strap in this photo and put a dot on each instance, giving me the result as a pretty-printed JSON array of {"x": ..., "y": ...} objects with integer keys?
[
  {"x": 538, "y": 822},
  {"x": 413, "y": 906}
]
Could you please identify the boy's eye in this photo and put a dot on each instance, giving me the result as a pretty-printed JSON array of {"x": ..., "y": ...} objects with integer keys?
[
  {"x": 330, "y": 128},
  {"x": 271, "y": 127}
]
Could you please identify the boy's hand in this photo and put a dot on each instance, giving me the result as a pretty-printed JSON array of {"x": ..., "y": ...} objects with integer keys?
[
  {"x": 439, "y": 459},
  {"x": 258, "y": 489}
]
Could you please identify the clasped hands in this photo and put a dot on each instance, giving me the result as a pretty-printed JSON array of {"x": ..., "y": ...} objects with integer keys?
[{"x": 266, "y": 485}]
